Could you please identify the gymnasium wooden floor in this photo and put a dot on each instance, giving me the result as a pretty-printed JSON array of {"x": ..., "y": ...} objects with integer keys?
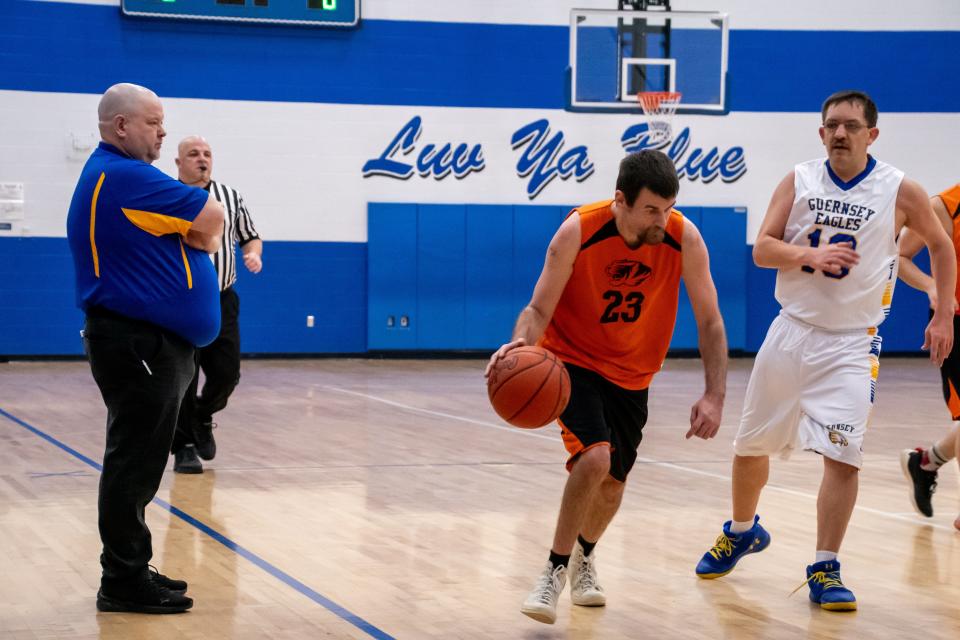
[{"x": 366, "y": 498}]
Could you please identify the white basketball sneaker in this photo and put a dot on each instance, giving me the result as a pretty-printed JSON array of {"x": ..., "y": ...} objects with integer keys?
[
  {"x": 584, "y": 588},
  {"x": 541, "y": 604}
]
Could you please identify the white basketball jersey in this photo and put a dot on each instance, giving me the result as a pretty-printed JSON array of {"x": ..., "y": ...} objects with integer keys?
[{"x": 827, "y": 210}]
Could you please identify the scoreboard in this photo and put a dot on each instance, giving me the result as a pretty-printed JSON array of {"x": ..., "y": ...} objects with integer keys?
[{"x": 315, "y": 13}]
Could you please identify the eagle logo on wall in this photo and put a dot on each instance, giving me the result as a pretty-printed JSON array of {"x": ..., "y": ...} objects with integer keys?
[{"x": 627, "y": 273}]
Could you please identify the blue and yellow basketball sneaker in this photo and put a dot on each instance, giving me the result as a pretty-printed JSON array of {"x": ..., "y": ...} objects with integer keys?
[
  {"x": 826, "y": 588},
  {"x": 730, "y": 547}
]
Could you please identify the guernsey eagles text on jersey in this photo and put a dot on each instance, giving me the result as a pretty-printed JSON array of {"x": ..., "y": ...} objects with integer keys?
[{"x": 828, "y": 210}]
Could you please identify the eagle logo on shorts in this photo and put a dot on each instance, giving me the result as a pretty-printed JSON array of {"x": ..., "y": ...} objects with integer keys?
[
  {"x": 838, "y": 439},
  {"x": 627, "y": 273}
]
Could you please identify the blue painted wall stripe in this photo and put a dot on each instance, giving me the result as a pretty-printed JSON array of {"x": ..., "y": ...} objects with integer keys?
[
  {"x": 38, "y": 313},
  {"x": 793, "y": 71},
  {"x": 277, "y": 573},
  {"x": 76, "y": 48}
]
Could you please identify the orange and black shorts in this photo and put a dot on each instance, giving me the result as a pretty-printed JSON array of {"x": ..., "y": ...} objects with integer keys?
[
  {"x": 601, "y": 413},
  {"x": 950, "y": 372}
]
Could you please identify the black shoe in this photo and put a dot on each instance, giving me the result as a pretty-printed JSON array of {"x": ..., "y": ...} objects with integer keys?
[
  {"x": 143, "y": 596},
  {"x": 203, "y": 434},
  {"x": 186, "y": 460},
  {"x": 165, "y": 582},
  {"x": 924, "y": 482}
]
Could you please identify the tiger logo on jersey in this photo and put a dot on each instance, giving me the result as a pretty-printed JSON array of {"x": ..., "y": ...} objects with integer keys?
[{"x": 627, "y": 273}]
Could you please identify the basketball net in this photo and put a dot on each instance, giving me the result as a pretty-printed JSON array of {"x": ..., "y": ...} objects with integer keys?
[{"x": 659, "y": 107}]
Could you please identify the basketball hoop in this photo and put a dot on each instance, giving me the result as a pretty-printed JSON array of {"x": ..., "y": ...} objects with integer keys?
[{"x": 659, "y": 107}]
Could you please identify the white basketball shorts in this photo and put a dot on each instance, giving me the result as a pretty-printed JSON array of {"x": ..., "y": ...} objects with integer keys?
[{"x": 811, "y": 389}]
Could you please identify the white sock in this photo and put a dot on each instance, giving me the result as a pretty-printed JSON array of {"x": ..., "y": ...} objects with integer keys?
[
  {"x": 936, "y": 457},
  {"x": 823, "y": 556},
  {"x": 740, "y": 527}
]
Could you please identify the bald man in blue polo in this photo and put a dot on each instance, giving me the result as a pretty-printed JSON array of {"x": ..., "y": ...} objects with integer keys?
[{"x": 140, "y": 242}]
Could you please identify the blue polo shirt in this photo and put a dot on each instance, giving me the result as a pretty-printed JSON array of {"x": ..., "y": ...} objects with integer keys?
[{"x": 126, "y": 225}]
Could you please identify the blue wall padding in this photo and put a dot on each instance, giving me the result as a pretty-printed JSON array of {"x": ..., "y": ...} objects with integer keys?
[
  {"x": 324, "y": 279},
  {"x": 489, "y": 274},
  {"x": 38, "y": 314},
  {"x": 533, "y": 227},
  {"x": 685, "y": 331},
  {"x": 392, "y": 275},
  {"x": 472, "y": 297},
  {"x": 471, "y": 300},
  {"x": 723, "y": 229},
  {"x": 441, "y": 270}
]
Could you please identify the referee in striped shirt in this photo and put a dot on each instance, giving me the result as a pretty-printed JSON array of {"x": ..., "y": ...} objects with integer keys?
[{"x": 220, "y": 361}]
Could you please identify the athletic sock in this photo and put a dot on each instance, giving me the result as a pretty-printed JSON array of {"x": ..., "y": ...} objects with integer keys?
[
  {"x": 932, "y": 459},
  {"x": 740, "y": 527},
  {"x": 587, "y": 546},
  {"x": 823, "y": 556},
  {"x": 558, "y": 560}
]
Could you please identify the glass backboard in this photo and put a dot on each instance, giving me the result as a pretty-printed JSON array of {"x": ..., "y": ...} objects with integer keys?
[{"x": 616, "y": 54}]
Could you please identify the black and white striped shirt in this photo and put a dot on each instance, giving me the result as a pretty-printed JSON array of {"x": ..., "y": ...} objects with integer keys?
[{"x": 238, "y": 227}]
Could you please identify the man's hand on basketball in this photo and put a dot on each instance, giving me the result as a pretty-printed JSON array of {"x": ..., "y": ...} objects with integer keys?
[
  {"x": 833, "y": 258},
  {"x": 705, "y": 417},
  {"x": 502, "y": 351}
]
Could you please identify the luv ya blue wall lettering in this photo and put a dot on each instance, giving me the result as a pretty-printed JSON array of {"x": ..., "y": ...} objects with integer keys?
[
  {"x": 703, "y": 165},
  {"x": 541, "y": 158},
  {"x": 438, "y": 162},
  {"x": 542, "y": 161}
]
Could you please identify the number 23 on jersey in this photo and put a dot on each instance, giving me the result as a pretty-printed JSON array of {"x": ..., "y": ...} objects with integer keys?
[{"x": 623, "y": 308}]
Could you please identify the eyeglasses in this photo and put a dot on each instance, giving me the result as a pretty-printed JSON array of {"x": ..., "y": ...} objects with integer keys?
[{"x": 850, "y": 126}]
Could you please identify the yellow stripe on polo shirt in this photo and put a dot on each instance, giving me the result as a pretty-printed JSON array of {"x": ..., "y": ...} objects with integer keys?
[
  {"x": 186, "y": 265},
  {"x": 93, "y": 225},
  {"x": 156, "y": 223}
]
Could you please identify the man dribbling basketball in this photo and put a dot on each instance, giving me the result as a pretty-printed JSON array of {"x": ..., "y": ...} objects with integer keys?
[{"x": 606, "y": 304}]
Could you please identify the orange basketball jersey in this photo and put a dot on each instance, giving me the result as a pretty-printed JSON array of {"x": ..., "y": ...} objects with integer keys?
[
  {"x": 617, "y": 312},
  {"x": 951, "y": 198}
]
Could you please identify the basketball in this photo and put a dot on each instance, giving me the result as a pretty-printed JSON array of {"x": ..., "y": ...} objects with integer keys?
[{"x": 529, "y": 387}]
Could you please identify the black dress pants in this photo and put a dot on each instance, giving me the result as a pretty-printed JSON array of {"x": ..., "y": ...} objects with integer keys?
[
  {"x": 142, "y": 372},
  {"x": 220, "y": 363}
]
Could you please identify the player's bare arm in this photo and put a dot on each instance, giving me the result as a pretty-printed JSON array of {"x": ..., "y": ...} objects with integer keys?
[
  {"x": 557, "y": 268},
  {"x": 207, "y": 227},
  {"x": 910, "y": 246},
  {"x": 771, "y": 251},
  {"x": 706, "y": 413},
  {"x": 915, "y": 213}
]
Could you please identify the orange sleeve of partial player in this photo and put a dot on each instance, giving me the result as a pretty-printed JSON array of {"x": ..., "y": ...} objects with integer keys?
[{"x": 951, "y": 198}]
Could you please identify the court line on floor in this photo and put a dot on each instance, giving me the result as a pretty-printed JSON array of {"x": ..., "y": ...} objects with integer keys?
[
  {"x": 243, "y": 552},
  {"x": 534, "y": 434},
  {"x": 421, "y": 465}
]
